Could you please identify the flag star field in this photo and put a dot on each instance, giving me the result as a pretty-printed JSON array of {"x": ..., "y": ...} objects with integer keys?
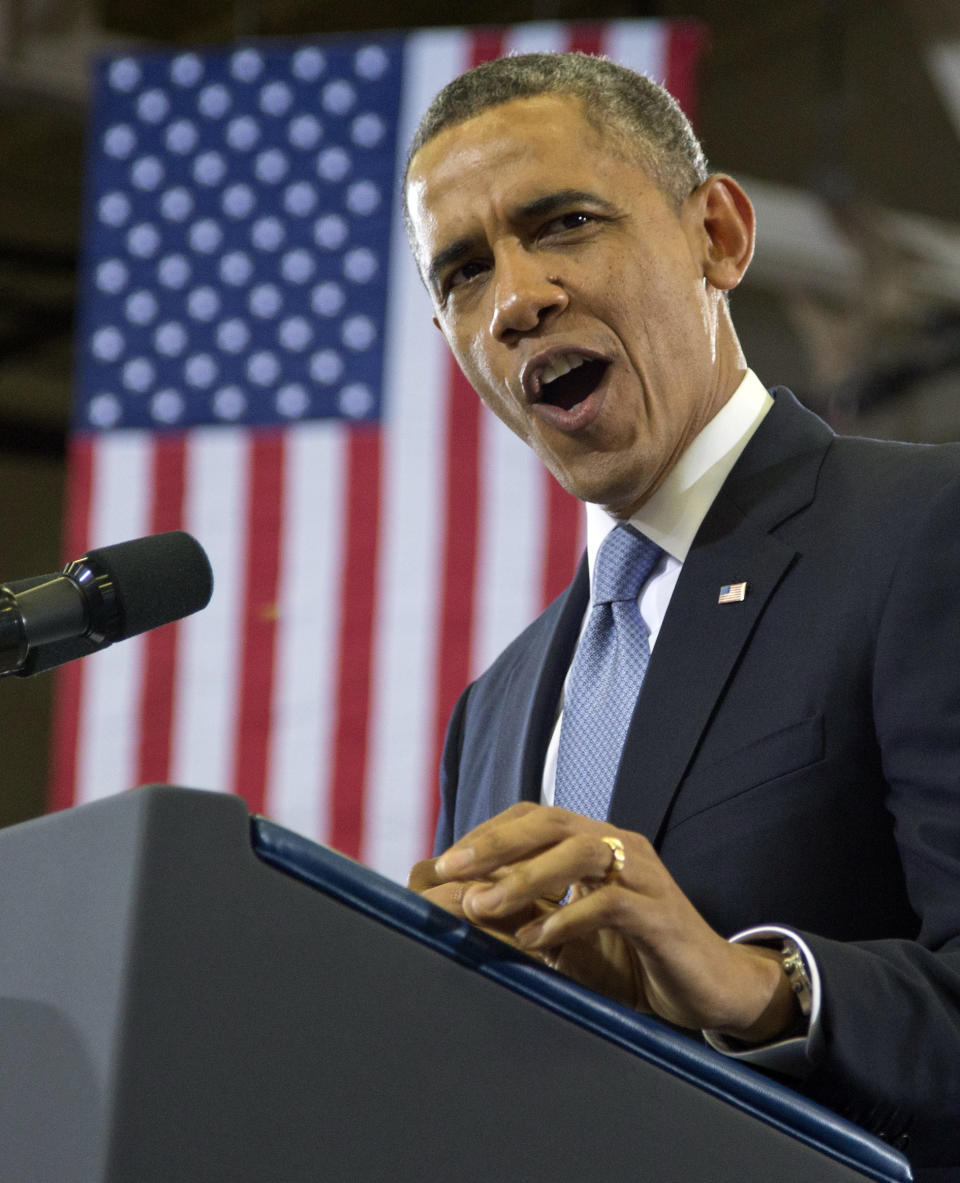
[{"x": 241, "y": 235}]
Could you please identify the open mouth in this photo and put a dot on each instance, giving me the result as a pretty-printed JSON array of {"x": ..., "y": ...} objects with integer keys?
[{"x": 569, "y": 380}]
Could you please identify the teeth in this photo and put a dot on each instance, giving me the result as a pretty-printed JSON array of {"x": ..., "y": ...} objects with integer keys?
[{"x": 561, "y": 365}]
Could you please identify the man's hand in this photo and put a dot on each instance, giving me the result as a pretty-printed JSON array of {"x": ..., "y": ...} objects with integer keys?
[
  {"x": 449, "y": 894},
  {"x": 633, "y": 936}
]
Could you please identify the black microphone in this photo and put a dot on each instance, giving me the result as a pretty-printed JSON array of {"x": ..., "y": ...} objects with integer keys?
[{"x": 110, "y": 594}]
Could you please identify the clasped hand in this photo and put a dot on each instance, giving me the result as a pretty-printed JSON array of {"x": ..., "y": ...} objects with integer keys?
[{"x": 634, "y": 937}]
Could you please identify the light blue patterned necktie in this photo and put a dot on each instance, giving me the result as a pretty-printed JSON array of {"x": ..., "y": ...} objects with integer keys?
[{"x": 605, "y": 678}]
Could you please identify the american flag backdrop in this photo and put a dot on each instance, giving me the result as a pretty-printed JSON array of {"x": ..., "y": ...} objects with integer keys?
[{"x": 257, "y": 365}]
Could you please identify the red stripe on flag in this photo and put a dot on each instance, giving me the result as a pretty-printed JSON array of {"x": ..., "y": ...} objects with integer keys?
[
  {"x": 69, "y": 678},
  {"x": 687, "y": 41},
  {"x": 160, "y": 645},
  {"x": 587, "y": 38},
  {"x": 355, "y": 665},
  {"x": 264, "y": 528},
  {"x": 485, "y": 45},
  {"x": 562, "y": 540}
]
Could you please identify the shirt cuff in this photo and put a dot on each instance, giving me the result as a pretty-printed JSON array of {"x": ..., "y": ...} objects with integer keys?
[{"x": 789, "y": 1056}]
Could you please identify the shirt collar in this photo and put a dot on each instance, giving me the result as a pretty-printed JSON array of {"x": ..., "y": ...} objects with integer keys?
[{"x": 675, "y": 512}]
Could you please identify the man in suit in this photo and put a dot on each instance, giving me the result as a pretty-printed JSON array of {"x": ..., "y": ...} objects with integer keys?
[{"x": 777, "y": 860}]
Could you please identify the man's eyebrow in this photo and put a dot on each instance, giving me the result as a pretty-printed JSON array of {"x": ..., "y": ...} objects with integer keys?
[{"x": 550, "y": 203}]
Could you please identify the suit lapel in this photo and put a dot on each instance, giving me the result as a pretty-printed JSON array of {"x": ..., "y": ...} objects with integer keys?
[
  {"x": 695, "y": 653},
  {"x": 701, "y": 640},
  {"x": 553, "y": 661}
]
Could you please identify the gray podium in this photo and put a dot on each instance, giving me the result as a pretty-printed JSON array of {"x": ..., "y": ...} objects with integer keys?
[{"x": 188, "y": 994}]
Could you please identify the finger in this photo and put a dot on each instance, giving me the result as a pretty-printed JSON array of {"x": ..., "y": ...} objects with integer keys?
[
  {"x": 517, "y": 834},
  {"x": 652, "y": 913},
  {"x": 448, "y": 896},
  {"x": 635, "y": 895},
  {"x": 548, "y": 875},
  {"x": 459, "y": 858},
  {"x": 424, "y": 875},
  {"x": 587, "y": 912}
]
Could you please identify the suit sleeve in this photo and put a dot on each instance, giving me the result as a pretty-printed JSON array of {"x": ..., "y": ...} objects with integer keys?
[{"x": 887, "y": 1050}]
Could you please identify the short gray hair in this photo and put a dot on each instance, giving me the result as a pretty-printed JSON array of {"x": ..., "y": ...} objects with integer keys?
[{"x": 644, "y": 117}]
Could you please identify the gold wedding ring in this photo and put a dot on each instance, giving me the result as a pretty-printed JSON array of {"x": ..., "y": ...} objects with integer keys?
[{"x": 619, "y": 856}]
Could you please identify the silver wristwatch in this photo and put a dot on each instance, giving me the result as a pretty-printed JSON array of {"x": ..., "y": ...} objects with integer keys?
[{"x": 798, "y": 976}]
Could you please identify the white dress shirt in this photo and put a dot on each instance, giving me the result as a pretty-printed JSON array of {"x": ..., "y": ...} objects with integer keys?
[{"x": 671, "y": 518}]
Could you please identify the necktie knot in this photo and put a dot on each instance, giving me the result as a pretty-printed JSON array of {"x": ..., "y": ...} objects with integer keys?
[{"x": 624, "y": 562}]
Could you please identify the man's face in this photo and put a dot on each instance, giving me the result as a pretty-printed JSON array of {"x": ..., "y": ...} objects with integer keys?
[{"x": 573, "y": 294}]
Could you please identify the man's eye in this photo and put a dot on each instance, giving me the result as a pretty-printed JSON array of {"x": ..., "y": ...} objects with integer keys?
[
  {"x": 572, "y": 221},
  {"x": 464, "y": 273}
]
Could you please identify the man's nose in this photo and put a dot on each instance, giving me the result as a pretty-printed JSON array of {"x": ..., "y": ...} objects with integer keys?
[{"x": 525, "y": 293}]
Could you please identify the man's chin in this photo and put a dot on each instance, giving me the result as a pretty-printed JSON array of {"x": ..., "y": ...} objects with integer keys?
[{"x": 620, "y": 499}]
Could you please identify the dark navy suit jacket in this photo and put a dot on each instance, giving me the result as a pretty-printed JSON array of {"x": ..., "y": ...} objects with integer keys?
[{"x": 794, "y": 758}]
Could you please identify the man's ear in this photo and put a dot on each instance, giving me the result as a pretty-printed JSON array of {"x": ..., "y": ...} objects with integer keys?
[{"x": 723, "y": 216}]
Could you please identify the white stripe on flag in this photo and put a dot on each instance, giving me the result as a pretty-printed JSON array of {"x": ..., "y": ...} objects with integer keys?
[
  {"x": 110, "y": 711},
  {"x": 537, "y": 37},
  {"x": 513, "y": 519},
  {"x": 641, "y": 45},
  {"x": 207, "y": 696},
  {"x": 314, "y": 517},
  {"x": 401, "y": 777}
]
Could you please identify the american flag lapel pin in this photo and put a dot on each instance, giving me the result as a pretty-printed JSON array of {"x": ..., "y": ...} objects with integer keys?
[{"x": 732, "y": 593}]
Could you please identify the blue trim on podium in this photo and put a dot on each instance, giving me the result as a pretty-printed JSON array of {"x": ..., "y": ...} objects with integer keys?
[{"x": 374, "y": 895}]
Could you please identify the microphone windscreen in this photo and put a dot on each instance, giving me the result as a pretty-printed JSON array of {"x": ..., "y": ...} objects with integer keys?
[{"x": 158, "y": 579}]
